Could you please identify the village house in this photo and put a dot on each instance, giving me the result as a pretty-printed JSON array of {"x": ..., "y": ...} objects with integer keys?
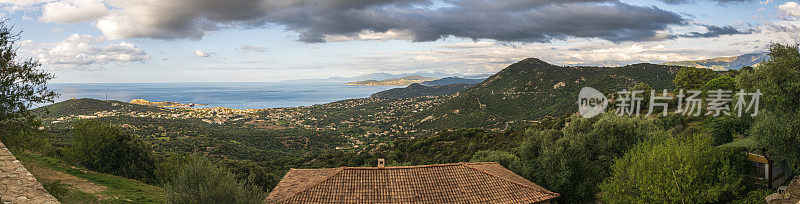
[
  {"x": 482, "y": 182},
  {"x": 767, "y": 173}
]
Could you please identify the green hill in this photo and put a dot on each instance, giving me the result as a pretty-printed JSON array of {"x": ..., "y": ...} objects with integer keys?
[
  {"x": 533, "y": 89},
  {"x": 451, "y": 80},
  {"x": 417, "y": 90},
  {"x": 88, "y": 106},
  {"x": 724, "y": 63}
]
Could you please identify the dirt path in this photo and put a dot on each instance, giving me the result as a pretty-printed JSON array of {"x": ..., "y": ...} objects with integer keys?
[{"x": 45, "y": 175}]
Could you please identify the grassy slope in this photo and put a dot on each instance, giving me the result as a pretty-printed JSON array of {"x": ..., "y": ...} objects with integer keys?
[{"x": 118, "y": 189}]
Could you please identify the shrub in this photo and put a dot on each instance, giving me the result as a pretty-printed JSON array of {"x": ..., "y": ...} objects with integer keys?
[
  {"x": 105, "y": 148},
  {"x": 573, "y": 161},
  {"x": 501, "y": 157},
  {"x": 198, "y": 180},
  {"x": 674, "y": 170},
  {"x": 726, "y": 128}
]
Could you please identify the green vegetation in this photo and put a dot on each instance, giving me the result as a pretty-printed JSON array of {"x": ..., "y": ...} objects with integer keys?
[
  {"x": 690, "y": 78},
  {"x": 118, "y": 189},
  {"x": 417, "y": 90},
  {"x": 667, "y": 169},
  {"x": 522, "y": 118},
  {"x": 22, "y": 85},
  {"x": 532, "y": 89},
  {"x": 574, "y": 160},
  {"x": 107, "y": 149},
  {"x": 777, "y": 128},
  {"x": 198, "y": 180},
  {"x": 723, "y": 82},
  {"x": 501, "y": 157},
  {"x": 725, "y": 129}
]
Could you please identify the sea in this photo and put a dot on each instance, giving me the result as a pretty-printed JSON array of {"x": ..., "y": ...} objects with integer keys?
[{"x": 238, "y": 95}]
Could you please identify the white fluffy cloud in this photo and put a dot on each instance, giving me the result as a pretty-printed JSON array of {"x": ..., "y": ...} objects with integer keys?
[
  {"x": 84, "y": 50},
  {"x": 201, "y": 53},
  {"x": 71, "y": 11},
  {"x": 789, "y": 9}
]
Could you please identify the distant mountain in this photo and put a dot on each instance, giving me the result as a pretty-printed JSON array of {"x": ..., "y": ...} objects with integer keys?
[
  {"x": 384, "y": 76},
  {"x": 417, "y": 90},
  {"x": 403, "y": 81},
  {"x": 451, "y": 80},
  {"x": 533, "y": 89},
  {"x": 724, "y": 63}
]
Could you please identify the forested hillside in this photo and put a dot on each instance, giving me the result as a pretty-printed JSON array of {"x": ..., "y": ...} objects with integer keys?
[
  {"x": 417, "y": 90},
  {"x": 532, "y": 89}
]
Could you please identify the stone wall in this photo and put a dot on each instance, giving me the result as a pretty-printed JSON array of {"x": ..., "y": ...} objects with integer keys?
[{"x": 17, "y": 185}]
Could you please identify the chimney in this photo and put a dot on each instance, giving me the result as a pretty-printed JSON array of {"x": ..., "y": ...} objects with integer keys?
[{"x": 381, "y": 163}]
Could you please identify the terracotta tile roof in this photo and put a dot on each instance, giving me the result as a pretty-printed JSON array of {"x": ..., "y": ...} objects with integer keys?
[{"x": 484, "y": 182}]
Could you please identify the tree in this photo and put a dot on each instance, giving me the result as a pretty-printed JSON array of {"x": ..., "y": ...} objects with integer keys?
[
  {"x": 778, "y": 78},
  {"x": 198, "y": 180},
  {"x": 725, "y": 129},
  {"x": 22, "y": 85},
  {"x": 641, "y": 86},
  {"x": 246, "y": 170},
  {"x": 690, "y": 78},
  {"x": 723, "y": 82},
  {"x": 501, "y": 157},
  {"x": 776, "y": 128},
  {"x": 670, "y": 169},
  {"x": 573, "y": 161},
  {"x": 746, "y": 69},
  {"x": 105, "y": 148}
]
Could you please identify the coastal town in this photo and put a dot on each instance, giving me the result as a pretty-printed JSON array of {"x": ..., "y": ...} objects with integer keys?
[{"x": 361, "y": 121}]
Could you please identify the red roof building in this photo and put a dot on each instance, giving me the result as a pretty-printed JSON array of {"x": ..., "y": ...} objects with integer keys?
[{"x": 484, "y": 182}]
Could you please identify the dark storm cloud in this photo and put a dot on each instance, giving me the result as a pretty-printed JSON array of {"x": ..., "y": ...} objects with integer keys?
[
  {"x": 716, "y": 31},
  {"x": 511, "y": 20}
]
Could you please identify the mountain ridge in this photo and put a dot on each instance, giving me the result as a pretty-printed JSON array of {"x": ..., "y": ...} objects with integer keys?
[{"x": 724, "y": 63}]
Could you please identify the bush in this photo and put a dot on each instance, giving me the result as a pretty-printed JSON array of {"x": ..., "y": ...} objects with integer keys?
[
  {"x": 727, "y": 128},
  {"x": 573, "y": 161},
  {"x": 723, "y": 82},
  {"x": 778, "y": 134},
  {"x": 755, "y": 196},
  {"x": 246, "y": 170},
  {"x": 197, "y": 180},
  {"x": 501, "y": 157},
  {"x": 674, "y": 170},
  {"x": 105, "y": 148},
  {"x": 690, "y": 78}
]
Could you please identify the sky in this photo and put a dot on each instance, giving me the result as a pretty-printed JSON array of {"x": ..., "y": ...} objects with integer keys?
[{"x": 109, "y": 41}]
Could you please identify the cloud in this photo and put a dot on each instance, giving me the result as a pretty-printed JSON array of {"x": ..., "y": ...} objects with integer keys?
[
  {"x": 253, "y": 48},
  {"x": 23, "y": 2},
  {"x": 789, "y": 9},
  {"x": 319, "y": 21},
  {"x": 716, "y": 31},
  {"x": 83, "y": 50},
  {"x": 72, "y": 11},
  {"x": 201, "y": 53},
  {"x": 718, "y": 1},
  {"x": 20, "y": 5}
]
